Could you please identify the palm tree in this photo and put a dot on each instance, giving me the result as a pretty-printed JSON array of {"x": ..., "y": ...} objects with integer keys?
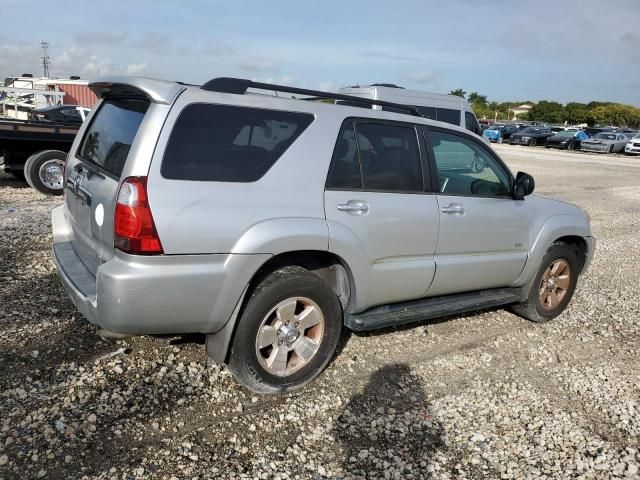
[
  {"x": 476, "y": 99},
  {"x": 458, "y": 92}
]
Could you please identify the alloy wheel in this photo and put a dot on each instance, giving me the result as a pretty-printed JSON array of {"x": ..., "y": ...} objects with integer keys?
[
  {"x": 554, "y": 284},
  {"x": 289, "y": 336}
]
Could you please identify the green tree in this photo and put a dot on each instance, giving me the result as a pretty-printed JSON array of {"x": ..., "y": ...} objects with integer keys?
[
  {"x": 544, "y": 111},
  {"x": 458, "y": 92},
  {"x": 476, "y": 99},
  {"x": 576, "y": 113}
]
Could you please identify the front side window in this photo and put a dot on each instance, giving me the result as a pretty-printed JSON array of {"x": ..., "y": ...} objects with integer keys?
[
  {"x": 110, "y": 136},
  {"x": 466, "y": 168},
  {"x": 224, "y": 143},
  {"x": 389, "y": 157}
]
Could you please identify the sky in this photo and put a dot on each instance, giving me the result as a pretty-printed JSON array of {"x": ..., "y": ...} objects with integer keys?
[{"x": 563, "y": 50}]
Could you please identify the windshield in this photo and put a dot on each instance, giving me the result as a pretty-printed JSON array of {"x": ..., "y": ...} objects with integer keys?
[
  {"x": 606, "y": 136},
  {"x": 565, "y": 134},
  {"x": 531, "y": 130},
  {"x": 496, "y": 127}
]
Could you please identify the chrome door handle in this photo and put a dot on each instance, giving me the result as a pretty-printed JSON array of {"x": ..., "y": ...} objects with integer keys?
[
  {"x": 453, "y": 209},
  {"x": 354, "y": 207}
]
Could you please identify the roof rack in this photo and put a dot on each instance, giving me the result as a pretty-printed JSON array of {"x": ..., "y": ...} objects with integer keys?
[{"x": 239, "y": 86}]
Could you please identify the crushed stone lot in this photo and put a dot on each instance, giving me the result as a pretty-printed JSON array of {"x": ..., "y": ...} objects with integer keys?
[{"x": 484, "y": 395}]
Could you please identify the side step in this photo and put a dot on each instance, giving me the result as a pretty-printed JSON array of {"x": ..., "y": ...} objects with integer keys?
[{"x": 428, "y": 308}]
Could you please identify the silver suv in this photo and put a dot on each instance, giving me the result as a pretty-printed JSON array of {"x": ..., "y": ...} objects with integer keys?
[{"x": 271, "y": 223}]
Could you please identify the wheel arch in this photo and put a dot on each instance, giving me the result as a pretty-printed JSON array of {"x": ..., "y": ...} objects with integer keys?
[
  {"x": 330, "y": 267},
  {"x": 570, "y": 229}
]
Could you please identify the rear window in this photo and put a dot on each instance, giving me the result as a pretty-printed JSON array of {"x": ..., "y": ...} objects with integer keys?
[
  {"x": 111, "y": 133},
  {"x": 229, "y": 144}
]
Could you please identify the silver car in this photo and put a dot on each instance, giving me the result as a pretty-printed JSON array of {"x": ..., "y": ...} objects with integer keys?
[
  {"x": 605, "y": 143},
  {"x": 270, "y": 224}
]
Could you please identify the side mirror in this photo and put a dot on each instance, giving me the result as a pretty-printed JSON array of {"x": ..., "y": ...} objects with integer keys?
[{"x": 523, "y": 186}]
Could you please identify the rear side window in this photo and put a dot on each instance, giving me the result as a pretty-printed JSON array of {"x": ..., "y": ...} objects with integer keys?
[
  {"x": 376, "y": 157},
  {"x": 345, "y": 167},
  {"x": 224, "y": 143},
  {"x": 449, "y": 115},
  {"x": 109, "y": 138}
]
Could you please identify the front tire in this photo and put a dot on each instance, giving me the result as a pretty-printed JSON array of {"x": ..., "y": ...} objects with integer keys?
[
  {"x": 287, "y": 333},
  {"x": 553, "y": 286},
  {"x": 533, "y": 142},
  {"x": 44, "y": 171}
]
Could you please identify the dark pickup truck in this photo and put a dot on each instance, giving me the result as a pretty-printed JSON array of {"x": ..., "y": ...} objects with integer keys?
[{"x": 36, "y": 152}]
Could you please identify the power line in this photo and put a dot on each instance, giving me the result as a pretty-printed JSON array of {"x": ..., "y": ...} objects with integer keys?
[{"x": 45, "y": 58}]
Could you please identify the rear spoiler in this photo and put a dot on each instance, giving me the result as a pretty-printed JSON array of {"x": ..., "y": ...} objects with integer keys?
[{"x": 157, "y": 91}]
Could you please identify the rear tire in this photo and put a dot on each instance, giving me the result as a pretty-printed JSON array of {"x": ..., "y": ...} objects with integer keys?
[
  {"x": 44, "y": 171},
  {"x": 533, "y": 142},
  {"x": 540, "y": 305},
  {"x": 272, "y": 331}
]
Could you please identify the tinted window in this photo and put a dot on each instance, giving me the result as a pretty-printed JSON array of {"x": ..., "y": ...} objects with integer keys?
[
  {"x": 389, "y": 157},
  {"x": 229, "y": 144},
  {"x": 345, "y": 168},
  {"x": 428, "y": 112},
  {"x": 465, "y": 168},
  {"x": 109, "y": 138},
  {"x": 471, "y": 123},
  {"x": 448, "y": 115}
]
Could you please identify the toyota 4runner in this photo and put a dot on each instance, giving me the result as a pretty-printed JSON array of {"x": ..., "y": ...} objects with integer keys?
[{"x": 271, "y": 223}]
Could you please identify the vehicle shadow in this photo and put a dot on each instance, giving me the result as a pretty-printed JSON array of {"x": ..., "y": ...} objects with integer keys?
[{"x": 389, "y": 427}]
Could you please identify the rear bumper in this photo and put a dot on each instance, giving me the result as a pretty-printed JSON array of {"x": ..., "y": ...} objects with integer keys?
[{"x": 164, "y": 294}]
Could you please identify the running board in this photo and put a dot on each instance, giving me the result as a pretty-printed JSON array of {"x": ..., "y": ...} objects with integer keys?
[{"x": 428, "y": 308}]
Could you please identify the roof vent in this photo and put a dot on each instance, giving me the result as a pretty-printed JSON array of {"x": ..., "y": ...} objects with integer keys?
[
  {"x": 74, "y": 77},
  {"x": 27, "y": 75}
]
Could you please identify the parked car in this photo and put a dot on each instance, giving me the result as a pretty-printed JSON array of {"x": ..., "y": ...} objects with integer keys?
[
  {"x": 633, "y": 145},
  {"x": 66, "y": 114},
  {"x": 566, "y": 139},
  {"x": 494, "y": 133},
  {"x": 531, "y": 136},
  {"x": 270, "y": 224},
  {"x": 605, "y": 143},
  {"x": 593, "y": 131}
]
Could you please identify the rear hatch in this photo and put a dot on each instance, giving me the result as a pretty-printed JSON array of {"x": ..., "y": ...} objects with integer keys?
[{"x": 93, "y": 175}]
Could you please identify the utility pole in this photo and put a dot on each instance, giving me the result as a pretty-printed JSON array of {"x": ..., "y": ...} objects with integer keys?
[{"x": 45, "y": 58}]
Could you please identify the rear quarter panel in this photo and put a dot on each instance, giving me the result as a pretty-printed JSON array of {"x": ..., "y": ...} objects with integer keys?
[{"x": 196, "y": 217}]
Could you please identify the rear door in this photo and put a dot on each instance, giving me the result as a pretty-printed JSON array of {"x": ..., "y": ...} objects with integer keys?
[
  {"x": 484, "y": 233},
  {"x": 381, "y": 218},
  {"x": 93, "y": 175}
]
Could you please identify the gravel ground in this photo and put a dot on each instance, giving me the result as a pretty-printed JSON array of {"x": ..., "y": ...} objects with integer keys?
[{"x": 484, "y": 395}]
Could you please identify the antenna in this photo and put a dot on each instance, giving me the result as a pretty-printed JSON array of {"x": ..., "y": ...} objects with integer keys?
[{"x": 45, "y": 58}]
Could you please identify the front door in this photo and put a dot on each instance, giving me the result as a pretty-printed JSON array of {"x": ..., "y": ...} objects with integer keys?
[
  {"x": 484, "y": 233},
  {"x": 380, "y": 218}
]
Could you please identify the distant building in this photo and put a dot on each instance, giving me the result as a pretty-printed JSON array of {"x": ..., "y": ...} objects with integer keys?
[
  {"x": 18, "y": 103},
  {"x": 517, "y": 111}
]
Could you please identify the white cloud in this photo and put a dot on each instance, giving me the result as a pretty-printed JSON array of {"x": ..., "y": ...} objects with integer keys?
[
  {"x": 423, "y": 78},
  {"x": 259, "y": 65},
  {"x": 137, "y": 68},
  {"x": 327, "y": 86}
]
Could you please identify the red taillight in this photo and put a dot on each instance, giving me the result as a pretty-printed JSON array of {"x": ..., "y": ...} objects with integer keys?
[{"x": 133, "y": 227}]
